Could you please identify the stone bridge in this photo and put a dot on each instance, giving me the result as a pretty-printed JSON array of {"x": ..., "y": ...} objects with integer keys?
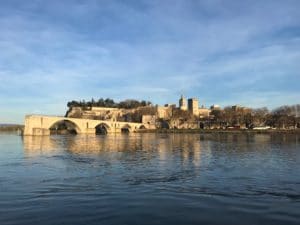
[{"x": 40, "y": 125}]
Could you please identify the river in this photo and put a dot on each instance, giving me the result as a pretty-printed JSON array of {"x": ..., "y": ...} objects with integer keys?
[{"x": 150, "y": 179}]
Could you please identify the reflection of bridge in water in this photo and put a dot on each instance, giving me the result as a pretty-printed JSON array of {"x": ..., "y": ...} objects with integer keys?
[
  {"x": 189, "y": 148},
  {"x": 144, "y": 146},
  {"x": 41, "y": 125}
]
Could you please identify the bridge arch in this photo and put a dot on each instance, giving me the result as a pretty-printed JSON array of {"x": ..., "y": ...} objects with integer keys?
[
  {"x": 64, "y": 126},
  {"x": 165, "y": 125},
  {"x": 126, "y": 128},
  {"x": 102, "y": 128},
  {"x": 142, "y": 127}
]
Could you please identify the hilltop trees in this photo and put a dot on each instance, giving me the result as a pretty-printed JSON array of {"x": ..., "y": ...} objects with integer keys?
[
  {"x": 131, "y": 103},
  {"x": 110, "y": 103}
]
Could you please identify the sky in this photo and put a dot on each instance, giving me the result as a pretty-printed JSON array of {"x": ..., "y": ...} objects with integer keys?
[{"x": 221, "y": 52}]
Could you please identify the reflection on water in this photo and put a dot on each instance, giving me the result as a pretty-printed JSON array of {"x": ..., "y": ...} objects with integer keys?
[
  {"x": 94, "y": 144},
  {"x": 150, "y": 179}
]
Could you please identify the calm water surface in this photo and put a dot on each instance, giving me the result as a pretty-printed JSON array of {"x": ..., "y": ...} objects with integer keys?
[{"x": 150, "y": 179}]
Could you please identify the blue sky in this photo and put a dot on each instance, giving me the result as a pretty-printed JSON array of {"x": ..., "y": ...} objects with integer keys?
[{"x": 222, "y": 52}]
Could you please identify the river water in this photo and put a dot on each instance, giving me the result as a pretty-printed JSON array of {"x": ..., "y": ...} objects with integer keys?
[{"x": 150, "y": 179}]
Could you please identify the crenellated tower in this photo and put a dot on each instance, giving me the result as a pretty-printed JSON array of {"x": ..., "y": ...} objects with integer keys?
[{"x": 183, "y": 103}]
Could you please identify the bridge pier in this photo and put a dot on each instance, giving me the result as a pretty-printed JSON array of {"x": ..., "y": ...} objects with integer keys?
[
  {"x": 40, "y": 131},
  {"x": 90, "y": 131},
  {"x": 115, "y": 130}
]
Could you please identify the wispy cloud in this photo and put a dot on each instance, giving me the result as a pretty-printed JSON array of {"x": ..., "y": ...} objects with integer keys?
[{"x": 229, "y": 52}]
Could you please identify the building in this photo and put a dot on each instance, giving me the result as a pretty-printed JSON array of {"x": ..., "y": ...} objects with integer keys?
[
  {"x": 203, "y": 112},
  {"x": 193, "y": 106},
  {"x": 163, "y": 112},
  {"x": 149, "y": 121},
  {"x": 183, "y": 103}
]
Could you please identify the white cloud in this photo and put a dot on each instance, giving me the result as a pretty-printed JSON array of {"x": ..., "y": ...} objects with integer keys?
[{"x": 148, "y": 50}]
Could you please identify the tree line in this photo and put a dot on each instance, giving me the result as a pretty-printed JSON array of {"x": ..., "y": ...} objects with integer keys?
[
  {"x": 281, "y": 117},
  {"x": 110, "y": 103}
]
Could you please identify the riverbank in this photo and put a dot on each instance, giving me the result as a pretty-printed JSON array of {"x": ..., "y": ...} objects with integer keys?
[
  {"x": 236, "y": 131},
  {"x": 11, "y": 128}
]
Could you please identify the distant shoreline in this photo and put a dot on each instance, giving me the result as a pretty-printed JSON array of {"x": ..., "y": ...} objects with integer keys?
[
  {"x": 207, "y": 131},
  {"x": 15, "y": 128},
  {"x": 11, "y": 128}
]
